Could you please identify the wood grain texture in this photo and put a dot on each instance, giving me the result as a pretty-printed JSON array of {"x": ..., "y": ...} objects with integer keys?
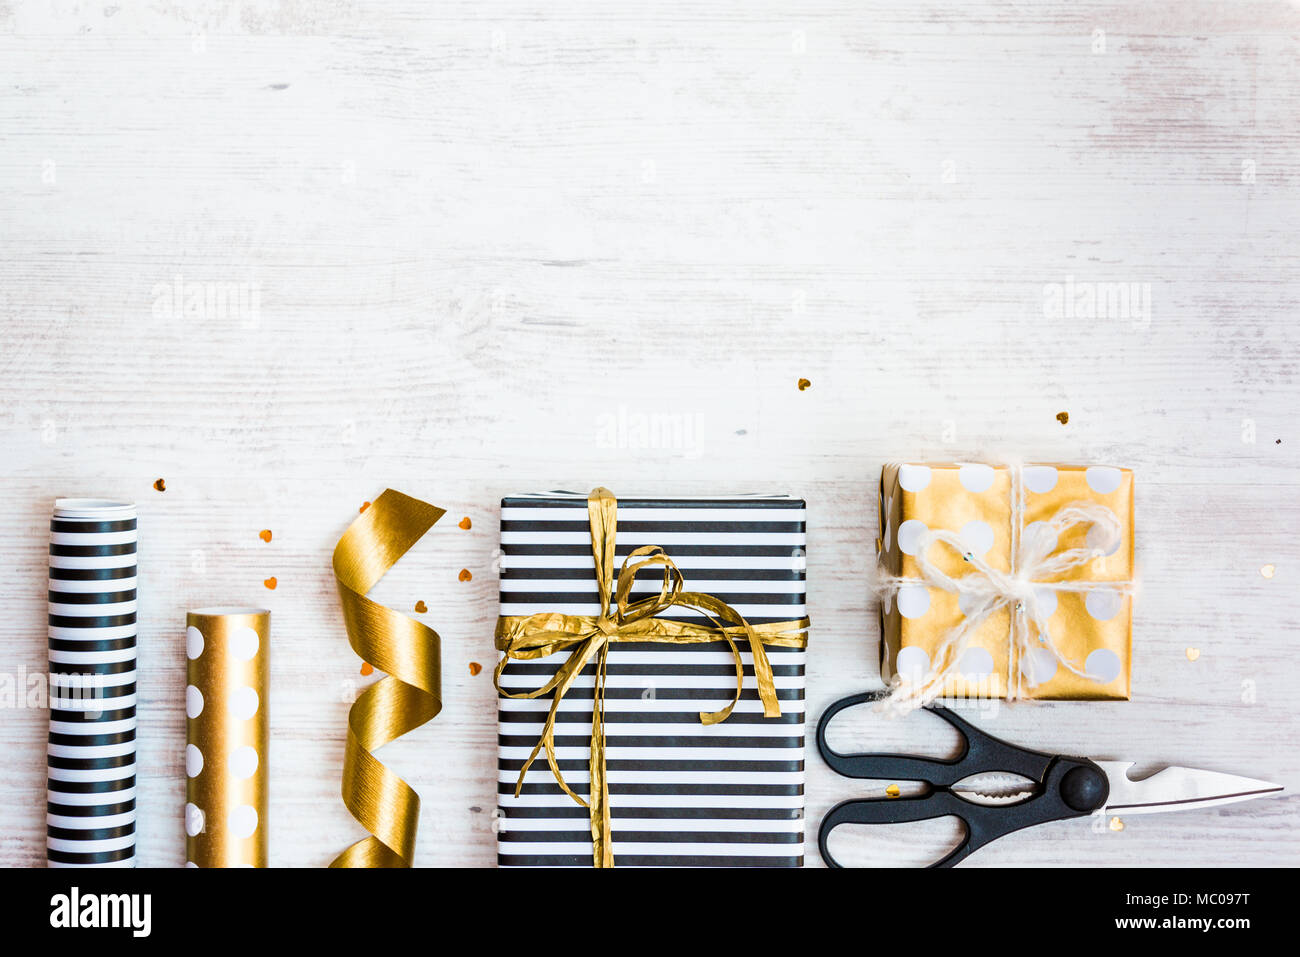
[{"x": 480, "y": 237}]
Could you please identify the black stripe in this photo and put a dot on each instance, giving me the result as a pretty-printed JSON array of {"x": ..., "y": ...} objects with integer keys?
[
  {"x": 759, "y": 790},
  {"x": 92, "y": 644},
  {"x": 92, "y": 764},
  {"x": 90, "y": 739},
  {"x": 712, "y": 574},
  {"x": 80, "y": 717},
  {"x": 646, "y": 860},
  {"x": 92, "y": 621},
  {"x": 630, "y": 764},
  {"x": 92, "y": 551},
  {"x": 621, "y": 552},
  {"x": 657, "y": 741},
  {"x": 97, "y": 668},
  {"x": 98, "y": 857},
  {"x": 556, "y": 499},
  {"x": 672, "y": 694},
  {"x": 569, "y": 809},
  {"x": 91, "y": 597},
  {"x": 92, "y": 787},
  {"x": 91, "y": 833},
  {"x": 89, "y": 810},
  {"x": 665, "y": 527},
  {"x": 92, "y": 574},
  {"x": 773, "y": 652},
  {"x": 615, "y": 668},
  {"x": 577, "y": 597},
  {"x": 67, "y": 525},
  {"x": 654, "y": 837},
  {"x": 646, "y": 717}
]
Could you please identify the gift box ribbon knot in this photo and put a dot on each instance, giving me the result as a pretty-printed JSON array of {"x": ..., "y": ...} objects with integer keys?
[{"x": 588, "y": 638}]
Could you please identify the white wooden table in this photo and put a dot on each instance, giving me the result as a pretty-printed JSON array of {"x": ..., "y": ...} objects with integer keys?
[{"x": 474, "y": 251}]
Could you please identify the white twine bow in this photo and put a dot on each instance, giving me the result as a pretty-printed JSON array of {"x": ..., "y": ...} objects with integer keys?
[{"x": 985, "y": 590}]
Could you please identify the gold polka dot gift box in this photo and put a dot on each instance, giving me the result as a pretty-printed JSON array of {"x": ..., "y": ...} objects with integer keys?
[{"x": 1006, "y": 581}]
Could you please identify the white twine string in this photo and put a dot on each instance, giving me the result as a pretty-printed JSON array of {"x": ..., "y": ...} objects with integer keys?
[{"x": 985, "y": 590}]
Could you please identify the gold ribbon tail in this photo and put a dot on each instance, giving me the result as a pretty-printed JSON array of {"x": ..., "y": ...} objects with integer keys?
[{"x": 409, "y": 695}]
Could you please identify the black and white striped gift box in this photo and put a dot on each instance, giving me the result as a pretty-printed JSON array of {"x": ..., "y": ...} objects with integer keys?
[
  {"x": 90, "y": 814},
  {"x": 681, "y": 793}
]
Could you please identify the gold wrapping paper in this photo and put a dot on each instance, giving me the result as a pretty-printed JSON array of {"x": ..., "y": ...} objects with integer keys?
[
  {"x": 226, "y": 760},
  {"x": 1093, "y": 629}
]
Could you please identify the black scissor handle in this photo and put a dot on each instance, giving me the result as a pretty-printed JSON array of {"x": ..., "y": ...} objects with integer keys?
[
  {"x": 980, "y": 753},
  {"x": 1072, "y": 787},
  {"x": 1067, "y": 787}
]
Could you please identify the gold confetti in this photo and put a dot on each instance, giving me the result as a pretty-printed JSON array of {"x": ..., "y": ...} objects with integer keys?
[
  {"x": 804, "y": 384},
  {"x": 421, "y": 607},
  {"x": 364, "y": 506},
  {"x": 475, "y": 667},
  {"x": 160, "y": 485},
  {"x": 1116, "y": 824},
  {"x": 367, "y": 668},
  {"x": 1063, "y": 417},
  {"x": 1268, "y": 571},
  {"x": 893, "y": 790},
  {"x": 264, "y": 534},
  {"x": 271, "y": 583},
  {"x": 465, "y": 523},
  {"x": 465, "y": 575},
  {"x": 1193, "y": 654}
]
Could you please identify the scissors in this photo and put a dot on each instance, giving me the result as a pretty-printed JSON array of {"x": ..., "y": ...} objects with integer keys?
[{"x": 1059, "y": 786}]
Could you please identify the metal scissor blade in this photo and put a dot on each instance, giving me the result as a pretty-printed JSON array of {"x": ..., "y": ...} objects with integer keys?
[{"x": 1177, "y": 789}]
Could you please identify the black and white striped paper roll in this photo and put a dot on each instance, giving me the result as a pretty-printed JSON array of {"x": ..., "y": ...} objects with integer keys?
[{"x": 90, "y": 814}]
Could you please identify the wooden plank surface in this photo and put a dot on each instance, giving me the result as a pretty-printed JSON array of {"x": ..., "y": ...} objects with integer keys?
[{"x": 474, "y": 250}]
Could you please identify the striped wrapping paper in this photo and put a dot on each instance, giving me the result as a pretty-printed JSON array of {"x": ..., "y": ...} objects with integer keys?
[
  {"x": 90, "y": 814},
  {"x": 681, "y": 793}
]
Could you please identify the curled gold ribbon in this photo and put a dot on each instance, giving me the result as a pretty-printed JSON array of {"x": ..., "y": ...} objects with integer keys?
[
  {"x": 528, "y": 637},
  {"x": 411, "y": 691}
]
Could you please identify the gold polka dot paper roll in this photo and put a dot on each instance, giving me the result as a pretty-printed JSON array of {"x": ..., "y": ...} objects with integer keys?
[{"x": 228, "y": 652}]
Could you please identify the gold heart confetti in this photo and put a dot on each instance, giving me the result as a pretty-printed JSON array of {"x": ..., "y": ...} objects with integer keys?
[{"x": 1193, "y": 654}]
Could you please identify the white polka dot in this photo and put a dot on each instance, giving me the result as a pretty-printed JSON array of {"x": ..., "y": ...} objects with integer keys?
[
  {"x": 193, "y": 642},
  {"x": 1104, "y": 603},
  {"x": 1097, "y": 538},
  {"x": 913, "y": 663},
  {"x": 190, "y": 864},
  {"x": 193, "y": 701},
  {"x": 913, "y": 478},
  {"x": 976, "y": 478},
  {"x": 1039, "y": 534},
  {"x": 243, "y": 643},
  {"x": 193, "y": 820},
  {"x": 977, "y": 536},
  {"x": 243, "y": 762},
  {"x": 913, "y": 601},
  {"x": 1039, "y": 666},
  {"x": 243, "y": 703},
  {"x": 1040, "y": 478},
  {"x": 1104, "y": 664},
  {"x": 909, "y": 533},
  {"x": 242, "y": 820},
  {"x": 1046, "y": 601},
  {"x": 975, "y": 663},
  {"x": 1102, "y": 479},
  {"x": 193, "y": 761}
]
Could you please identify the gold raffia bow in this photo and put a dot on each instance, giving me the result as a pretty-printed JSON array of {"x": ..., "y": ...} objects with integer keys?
[
  {"x": 410, "y": 694},
  {"x": 528, "y": 637}
]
